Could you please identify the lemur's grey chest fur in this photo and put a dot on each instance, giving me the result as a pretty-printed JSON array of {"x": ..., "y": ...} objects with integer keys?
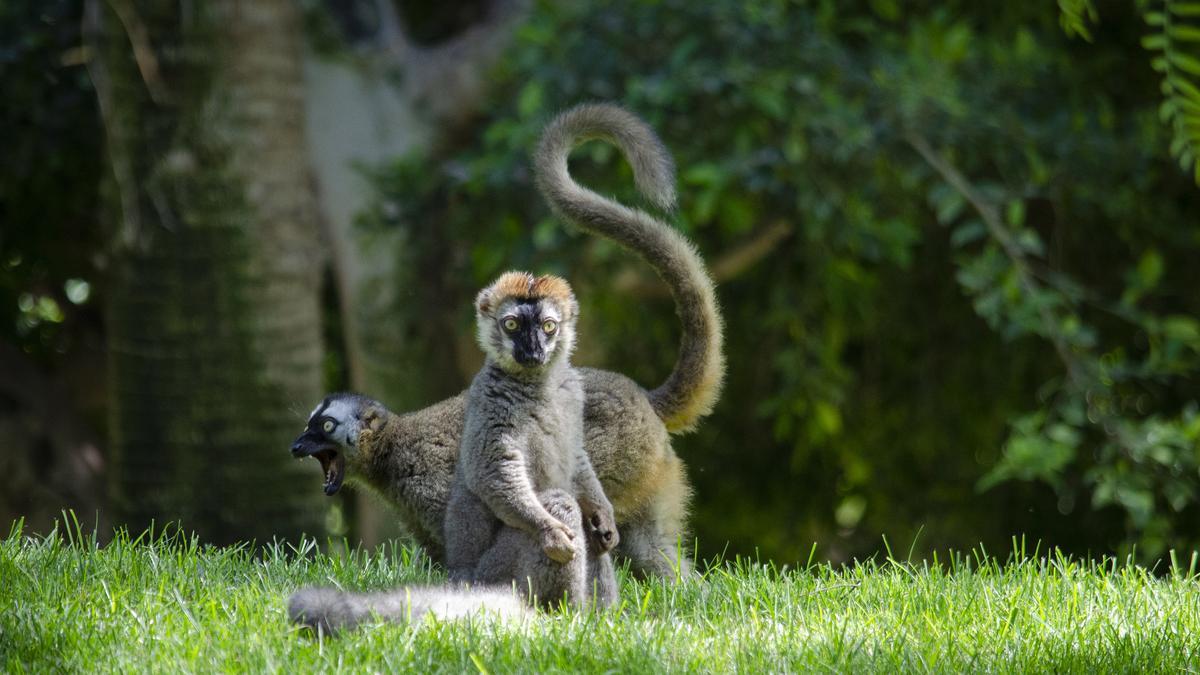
[{"x": 541, "y": 416}]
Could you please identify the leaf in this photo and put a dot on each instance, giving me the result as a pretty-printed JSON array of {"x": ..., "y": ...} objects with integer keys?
[
  {"x": 1179, "y": 494},
  {"x": 703, "y": 174},
  {"x": 1139, "y": 503},
  {"x": 967, "y": 233},
  {"x": 1184, "y": 33},
  {"x": 1155, "y": 42},
  {"x": 1063, "y": 434},
  {"x": 1184, "y": 87},
  {"x": 1188, "y": 64},
  {"x": 949, "y": 206},
  {"x": 1149, "y": 269},
  {"x": 704, "y": 206},
  {"x": 889, "y": 10},
  {"x": 772, "y": 102},
  {"x": 795, "y": 148},
  {"x": 1177, "y": 146},
  {"x": 1166, "y": 110},
  {"x": 1182, "y": 328},
  {"x": 1015, "y": 214},
  {"x": 1029, "y": 241},
  {"x": 545, "y": 233},
  {"x": 828, "y": 418},
  {"x": 850, "y": 511},
  {"x": 1035, "y": 457},
  {"x": 1188, "y": 106},
  {"x": 529, "y": 102}
]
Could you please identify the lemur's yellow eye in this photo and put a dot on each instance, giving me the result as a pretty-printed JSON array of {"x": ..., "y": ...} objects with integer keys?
[
  {"x": 328, "y": 426},
  {"x": 510, "y": 324},
  {"x": 549, "y": 326}
]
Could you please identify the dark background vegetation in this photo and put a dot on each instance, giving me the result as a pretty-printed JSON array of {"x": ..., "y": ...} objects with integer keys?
[{"x": 955, "y": 243}]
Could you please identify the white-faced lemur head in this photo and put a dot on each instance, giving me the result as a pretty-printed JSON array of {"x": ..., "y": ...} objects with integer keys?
[{"x": 332, "y": 434}]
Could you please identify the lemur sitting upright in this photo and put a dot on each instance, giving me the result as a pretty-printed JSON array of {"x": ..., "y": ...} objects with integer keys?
[
  {"x": 525, "y": 505},
  {"x": 522, "y": 449}
]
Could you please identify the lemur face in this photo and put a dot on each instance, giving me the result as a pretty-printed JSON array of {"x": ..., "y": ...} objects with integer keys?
[
  {"x": 331, "y": 435},
  {"x": 525, "y": 322},
  {"x": 528, "y": 332}
]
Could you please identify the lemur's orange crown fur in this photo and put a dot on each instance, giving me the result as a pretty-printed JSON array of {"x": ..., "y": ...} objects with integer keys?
[{"x": 525, "y": 286}]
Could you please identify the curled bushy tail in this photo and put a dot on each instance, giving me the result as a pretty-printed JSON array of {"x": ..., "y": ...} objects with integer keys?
[
  {"x": 695, "y": 384},
  {"x": 330, "y": 610}
]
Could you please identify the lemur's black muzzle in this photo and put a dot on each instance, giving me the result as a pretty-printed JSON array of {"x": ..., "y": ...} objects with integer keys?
[
  {"x": 307, "y": 444},
  {"x": 527, "y": 347}
]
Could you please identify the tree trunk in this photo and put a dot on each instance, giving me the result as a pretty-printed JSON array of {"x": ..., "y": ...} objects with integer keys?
[{"x": 213, "y": 313}]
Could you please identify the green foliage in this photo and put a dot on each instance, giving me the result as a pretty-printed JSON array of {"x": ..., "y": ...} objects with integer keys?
[
  {"x": 163, "y": 602},
  {"x": 907, "y": 151},
  {"x": 1076, "y": 17},
  {"x": 1174, "y": 39}
]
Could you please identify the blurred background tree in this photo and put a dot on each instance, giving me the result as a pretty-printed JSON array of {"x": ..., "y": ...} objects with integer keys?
[
  {"x": 212, "y": 306},
  {"x": 953, "y": 244}
]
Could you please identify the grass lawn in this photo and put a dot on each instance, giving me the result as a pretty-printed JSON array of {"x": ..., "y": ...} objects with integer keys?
[{"x": 166, "y": 604}]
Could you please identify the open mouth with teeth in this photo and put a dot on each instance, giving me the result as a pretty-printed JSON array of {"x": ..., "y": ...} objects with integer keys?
[
  {"x": 333, "y": 463},
  {"x": 333, "y": 467}
]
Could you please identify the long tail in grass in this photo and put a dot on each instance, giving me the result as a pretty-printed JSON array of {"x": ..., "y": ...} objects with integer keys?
[{"x": 330, "y": 610}]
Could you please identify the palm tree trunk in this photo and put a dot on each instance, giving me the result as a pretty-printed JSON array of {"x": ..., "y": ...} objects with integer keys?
[{"x": 213, "y": 307}]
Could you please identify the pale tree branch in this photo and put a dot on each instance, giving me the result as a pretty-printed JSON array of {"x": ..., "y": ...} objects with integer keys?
[
  {"x": 115, "y": 141},
  {"x": 995, "y": 226},
  {"x": 449, "y": 76},
  {"x": 143, "y": 51},
  {"x": 728, "y": 266}
]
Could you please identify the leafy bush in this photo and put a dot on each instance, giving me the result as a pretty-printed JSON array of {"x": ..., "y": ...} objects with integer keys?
[{"x": 983, "y": 318}]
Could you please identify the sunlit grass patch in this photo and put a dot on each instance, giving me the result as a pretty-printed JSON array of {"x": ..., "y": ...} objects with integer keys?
[{"x": 163, "y": 603}]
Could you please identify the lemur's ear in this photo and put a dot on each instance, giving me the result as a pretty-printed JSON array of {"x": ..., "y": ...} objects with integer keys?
[
  {"x": 372, "y": 418},
  {"x": 483, "y": 301},
  {"x": 569, "y": 304}
]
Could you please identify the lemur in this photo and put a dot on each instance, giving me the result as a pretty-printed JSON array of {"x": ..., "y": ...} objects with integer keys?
[
  {"x": 522, "y": 444},
  {"x": 409, "y": 458}
]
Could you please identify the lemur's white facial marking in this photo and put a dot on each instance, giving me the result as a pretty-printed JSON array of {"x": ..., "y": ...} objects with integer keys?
[
  {"x": 331, "y": 436},
  {"x": 338, "y": 420}
]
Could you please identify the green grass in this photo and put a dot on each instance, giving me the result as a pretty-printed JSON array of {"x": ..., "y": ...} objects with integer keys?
[{"x": 165, "y": 604}]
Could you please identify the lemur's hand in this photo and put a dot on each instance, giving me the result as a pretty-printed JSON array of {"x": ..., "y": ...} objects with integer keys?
[
  {"x": 602, "y": 530},
  {"x": 556, "y": 542}
]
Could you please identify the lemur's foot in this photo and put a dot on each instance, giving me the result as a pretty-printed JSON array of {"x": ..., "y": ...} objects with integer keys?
[
  {"x": 557, "y": 542},
  {"x": 602, "y": 531}
]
